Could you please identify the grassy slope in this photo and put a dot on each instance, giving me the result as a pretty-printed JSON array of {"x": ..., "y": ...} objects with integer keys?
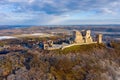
[{"x": 80, "y": 48}]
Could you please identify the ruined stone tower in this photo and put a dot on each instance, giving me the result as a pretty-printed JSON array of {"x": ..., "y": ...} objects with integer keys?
[
  {"x": 99, "y": 38},
  {"x": 77, "y": 37},
  {"x": 88, "y": 37}
]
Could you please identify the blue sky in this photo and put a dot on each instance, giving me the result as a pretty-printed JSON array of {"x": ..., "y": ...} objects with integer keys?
[{"x": 59, "y": 12}]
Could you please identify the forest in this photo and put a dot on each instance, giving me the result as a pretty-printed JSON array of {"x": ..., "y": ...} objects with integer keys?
[{"x": 85, "y": 62}]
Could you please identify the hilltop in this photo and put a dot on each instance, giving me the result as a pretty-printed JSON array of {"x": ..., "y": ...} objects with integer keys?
[{"x": 85, "y": 62}]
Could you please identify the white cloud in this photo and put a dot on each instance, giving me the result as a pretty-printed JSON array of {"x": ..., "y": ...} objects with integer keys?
[
  {"x": 61, "y": 6},
  {"x": 21, "y": 1},
  {"x": 56, "y": 11},
  {"x": 31, "y": 1},
  {"x": 17, "y": 0},
  {"x": 108, "y": 11}
]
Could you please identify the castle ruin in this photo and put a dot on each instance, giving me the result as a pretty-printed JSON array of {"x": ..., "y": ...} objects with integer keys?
[
  {"x": 78, "y": 38},
  {"x": 82, "y": 37}
]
